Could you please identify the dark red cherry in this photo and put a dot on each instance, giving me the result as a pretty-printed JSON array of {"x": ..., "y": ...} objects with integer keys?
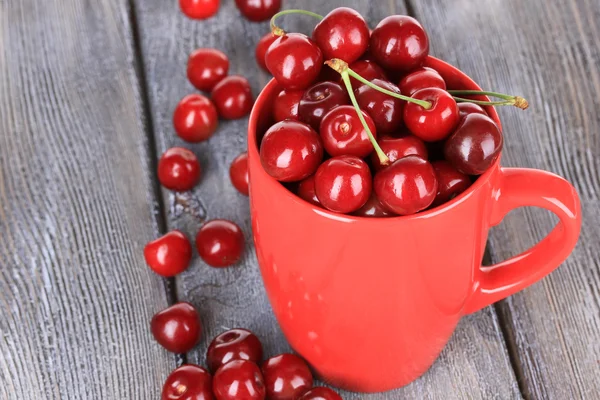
[
  {"x": 435, "y": 123},
  {"x": 188, "y": 382},
  {"x": 290, "y": 151},
  {"x": 421, "y": 78},
  {"x": 238, "y": 173},
  {"x": 261, "y": 49},
  {"x": 285, "y": 105},
  {"x": 407, "y": 186},
  {"x": 343, "y": 34},
  {"x": 465, "y": 109},
  {"x": 220, "y": 243},
  {"x": 451, "y": 182},
  {"x": 206, "y": 68},
  {"x": 234, "y": 344},
  {"x": 178, "y": 169},
  {"x": 294, "y": 60},
  {"x": 320, "y": 393},
  {"x": 287, "y": 377},
  {"x": 239, "y": 379},
  {"x": 343, "y": 133},
  {"x": 177, "y": 328},
  {"x": 169, "y": 255},
  {"x": 195, "y": 118},
  {"x": 343, "y": 184},
  {"x": 318, "y": 100},
  {"x": 258, "y": 10},
  {"x": 233, "y": 97},
  {"x": 373, "y": 208},
  {"x": 475, "y": 144},
  {"x": 306, "y": 190},
  {"x": 368, "y": 70},
  {"x": 385, "y": 110},
  {"x": 396, "y": 148},
  {"x": 399, "y": 42},
  {"x": 199, "y": 9}
]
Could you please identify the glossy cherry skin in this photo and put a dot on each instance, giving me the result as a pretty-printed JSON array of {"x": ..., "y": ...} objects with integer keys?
[
  {"x": 318, "y": 100},
  {"x": 465, "y": 109},
  {"x": 188, "y": 382},
  {"x": 239, "y": 379},
  {"x": 291, "y": 151},
  {"x": 261, "y": 49},
  {"x": 343, "y": 133},
  {"x": 386, "y": 111},
  {"x": 258, "y": 10},
  {"x": 287, "y": 377},
  {"x": 400, "y": 43},
  {"x": 421, "y": 78},
  {"x": 436, "y": 123},
  {"x": 178, "y": 169},
  {"x": 294, "y": 60},
  {"x": 373, "y": 209},
  {"x": 238, "y": 173},
  {"x": 234, "y": 344},
  {"x": 475, "y": 144},
  {"x": 195, "y": 118},
  {"x": 320, "y": 393},
  {"x": 233, "y": 97},
  {"x": 451, "y": 182},
  {"x": 306, "y": 191},
  {"x": 396, "y": 148},
  {"x": 177, "y": 328},
  {"x": 220, "y": 243},
  {"x": 343, "y": 184},
  {"x": 285, "y": 105},
  {"x": 169, "y": 255},
  {"x": 206, "y": 68},
  {"x": 343, "y": 34},
  {"x": 368, "y": 70},
  {"x": 199, "y": 9},
  {"x": 407, "y": 186}
]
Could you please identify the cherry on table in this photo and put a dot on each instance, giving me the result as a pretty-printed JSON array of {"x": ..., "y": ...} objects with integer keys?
[
  {"x": 294, "y": 60},
  {"x": 169, "y": 255},
  {"x": 286, "y": 376},
  {"x": 435, "y": 123},
  {"x": 238, "y": 173},
  {"x": 285, "y": 105},
  {"x": 367, "y": 69},
  {"x": 386, "y": 111},
  {"x": 206, "y": 68},
  {"x": 320, "y": 393},
  {"x": 188, "y": 382},
  {"x": 220, "y": 243},
  {"x": 465, "y": 109},
  {"x": 306, "y": 191},
  {"x": 373, "y": 209},
  {"x": 199, "y": 9},
  {"x": 177, "y": 328},
  {"x": 239, "y": 379},
  {"x": 178, "y": 169},
  {"x": 233, "y": 97},
  {"x": 258, "y": 10},
  {"x": 195, "y": 118},
  {"x": 261, "y": 49},
  {"x": 451, "y": 182},
  {"x": 234, "y": 344},
  {"x": 343, "y": 34},
  {"x": 343, "y": 133},
  {"x": 421, "y": 78},
  {"x": 318, "y": 100},
  {"x": 398, "y": 147}
]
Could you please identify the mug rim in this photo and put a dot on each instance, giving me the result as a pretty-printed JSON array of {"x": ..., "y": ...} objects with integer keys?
[{"x": 281, "y": 190}]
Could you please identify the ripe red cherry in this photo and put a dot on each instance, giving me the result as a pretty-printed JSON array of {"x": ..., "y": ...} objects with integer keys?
[
  {"x": 318, "y": 100},
  {"x": 343, "y": 133},
  {"x": 475, "y": 144},
  {"x": 343, "y": 184},
  {"x": 285, "y": 105},
  {"x": 306, "y": 191},
  {"x": 188, "y": 382},
  {"x": 465, "y": 109},
  {"x": 220, "y": 243},
  {"x": 368, "y": 70},
  {"x": 421, "y": 78},
  {"x": 320, "y": 393},
  {"x": 373, "y": 208},
  {"x": 206, "y": 67},
  {"x": 239, "y": 379},
  {"x": 233, "y": 97},
  {"x": 396, "y": 148},
  {"x": 199, "y": 9},
  {"x": 261, "y": 49},
  {"x": 258, "y": 10},
  {"x": 169, "y": 254},
  {"x": 178, "y": 169},
  {"x": 294, "y": 60},
  {"x": 234, "y": 344},
  {"x": 343, "y": 34},
  {"x": 407, "y": 186},
  {"x": 177, "y": 328},
  {"x": 195, "y": 118},
  {"x": 399, "y": 42},
  {"x": 287, "y": 377},
  {"x": 385, "y": 110},
  {"x": 451, "y": 182},
  {"x": 290, "y": 151},
  {"x": 238, "y": 173},
  {"x": 435, "y": 123}
]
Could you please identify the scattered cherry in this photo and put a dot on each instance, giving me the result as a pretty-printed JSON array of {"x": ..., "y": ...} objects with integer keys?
[
  {"x": 386, "y": 111},
  {"x": 287, "y": 377},
  {"x": 234, "y": 344},
  {"x": 291, "y": 151},
  {"x": 343, "y": 133},
  {"x": 465, "y": 109},
  {"x": 396, "y": 148},
  {"x": 206, "y": 68},
  {"x": 285, "y": 105},
  {"x": 195, "y": 118},
  {"x": 367, "y": 69},
  {"x": 239, "y": 379},
  {"x": 188, "y": 382},
  {"x": 343, "y": 184},
  {"x": 238, "y": 173},
  {"x": 169, "y": 255},
  {"x": 435, "y": 123},
  {"x": 318, "y": 100},
  {"x": 373, "y": 209},
  {"x": 199, "y": 9},
  {"x": 421, "y": 78},
  {"x": 258, "y": 10},
  {"x": 233, "y": 97},
  {"x": 451, "y": 182},
  {"x": 294, "y": 60},
  {"x": 320, "y": 393},
  {"x": 343, "y": 33},
  {"x": 178, "y": 169},
  {"x": 220, "y": 243},
  {"x": 261, "y": 49},
  {"x": 407, "y": 186},
  {"x": 177, "y": 328},
  {"x": 399, "y": 42},
  {"x": 306, "y": 191}
]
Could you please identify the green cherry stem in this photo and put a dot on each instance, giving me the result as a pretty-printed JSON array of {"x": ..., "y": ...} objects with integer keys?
[
  {"x": 277, "y": 31},
  {"x": 508, "y": 100}
]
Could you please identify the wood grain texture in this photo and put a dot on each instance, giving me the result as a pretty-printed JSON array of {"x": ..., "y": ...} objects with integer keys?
[
  {"x": 548, "y": 52},
  {"x": 77, "y": 206},
  {"x": 475, "y": 364}
]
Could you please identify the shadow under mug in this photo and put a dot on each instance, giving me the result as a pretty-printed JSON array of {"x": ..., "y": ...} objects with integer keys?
[{"x": 371, "y": 302}]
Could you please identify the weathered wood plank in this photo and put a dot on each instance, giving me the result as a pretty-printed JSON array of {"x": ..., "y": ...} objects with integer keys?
[
  {"x": 77, "y": 205},
  {"x": 548, "y": 52},
  {"x": 475, "y": 363}
]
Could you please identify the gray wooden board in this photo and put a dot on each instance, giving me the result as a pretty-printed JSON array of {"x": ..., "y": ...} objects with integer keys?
[
  {"x": 475, "y": 364},
  {"x": 547, "y": 51}
]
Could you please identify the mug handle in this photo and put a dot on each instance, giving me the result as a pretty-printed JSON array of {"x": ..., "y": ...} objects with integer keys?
[{"x": 521, "y": 187}]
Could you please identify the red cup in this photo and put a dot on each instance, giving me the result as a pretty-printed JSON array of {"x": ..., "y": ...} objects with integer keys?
[{"x": 370, "y": 303}]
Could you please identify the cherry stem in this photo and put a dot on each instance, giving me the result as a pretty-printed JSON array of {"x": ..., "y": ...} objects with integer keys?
[
  {"x": 277, "y": 31},
  {"x": 509, "y": 100}
]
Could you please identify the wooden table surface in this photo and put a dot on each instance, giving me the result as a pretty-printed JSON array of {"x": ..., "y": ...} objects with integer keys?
[{"x": 87, "y": 90}]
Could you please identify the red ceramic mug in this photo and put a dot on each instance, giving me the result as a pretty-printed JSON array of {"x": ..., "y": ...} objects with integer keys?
[{"x": 370, "y": 303}]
